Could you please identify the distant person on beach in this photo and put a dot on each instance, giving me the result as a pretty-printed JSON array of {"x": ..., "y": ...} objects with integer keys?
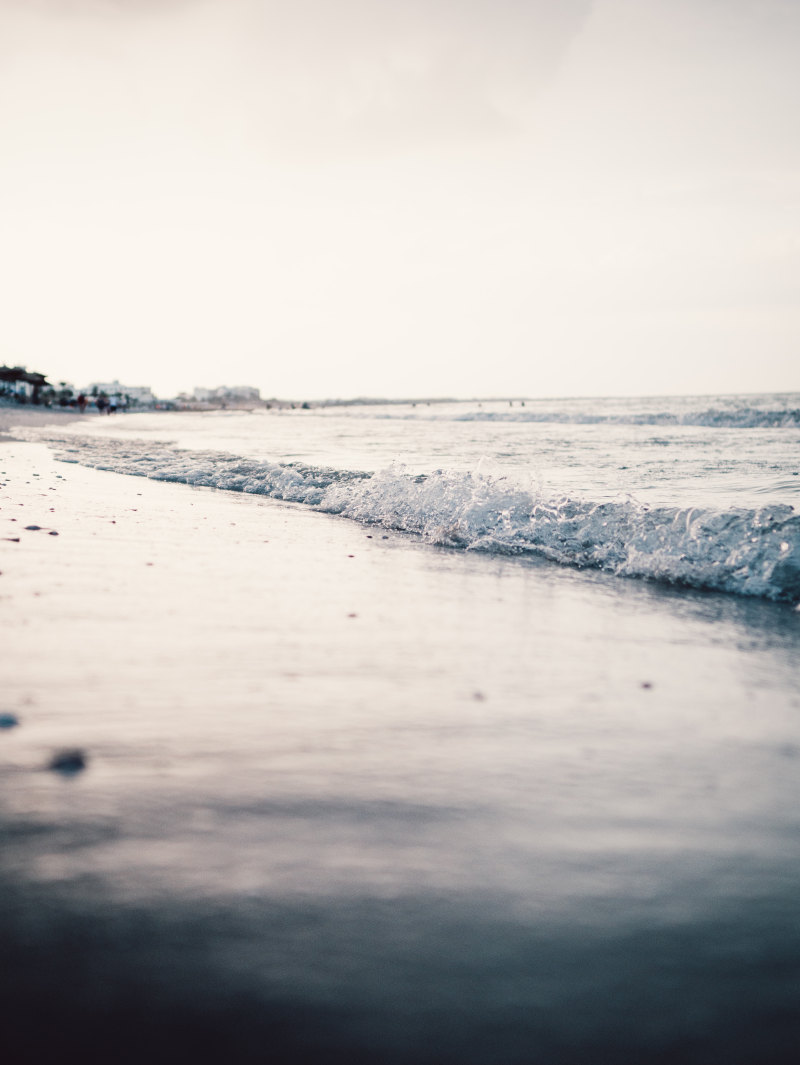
[
  {"x": 81, "y": 403},
  {"x": 101, "y": 402}
]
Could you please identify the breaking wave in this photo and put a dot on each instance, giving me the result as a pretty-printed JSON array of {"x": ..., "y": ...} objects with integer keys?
[{"x": 750, "y": 552}]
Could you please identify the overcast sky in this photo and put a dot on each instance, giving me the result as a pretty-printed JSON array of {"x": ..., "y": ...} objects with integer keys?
[{"x": 402, "y": 197}]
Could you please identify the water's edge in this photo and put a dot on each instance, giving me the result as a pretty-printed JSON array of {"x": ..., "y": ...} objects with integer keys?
[{"x": 741, "y": 551}]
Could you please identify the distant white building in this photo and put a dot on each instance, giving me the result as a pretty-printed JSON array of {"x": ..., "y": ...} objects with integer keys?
[{"x": 138, "y": 395}]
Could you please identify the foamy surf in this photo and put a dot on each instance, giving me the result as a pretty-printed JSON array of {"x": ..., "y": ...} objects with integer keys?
[{"x": 742, "y": 551}]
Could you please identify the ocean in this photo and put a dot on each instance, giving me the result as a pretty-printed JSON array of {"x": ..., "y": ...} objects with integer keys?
[
  {"x": 449, "y": 733},
  {"x": 698, "y": 492}
]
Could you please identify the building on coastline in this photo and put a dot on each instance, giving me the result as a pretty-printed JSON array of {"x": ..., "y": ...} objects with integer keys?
[
  {"x": 130, "y": 396},
  {"x": 23, "y": 386},
  {"x": 17, "y": 384}
]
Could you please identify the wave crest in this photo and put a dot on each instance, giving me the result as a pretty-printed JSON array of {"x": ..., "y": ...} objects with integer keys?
[{"x": 752, "y": 552}]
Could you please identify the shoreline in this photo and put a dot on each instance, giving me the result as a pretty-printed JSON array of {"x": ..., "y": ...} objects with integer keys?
[
  {"x": 363, "y": 799},
  {"x": 16, "y": 414}
]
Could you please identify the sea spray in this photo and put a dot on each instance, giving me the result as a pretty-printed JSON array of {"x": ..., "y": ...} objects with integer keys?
[{"x": 743, "y": 551}]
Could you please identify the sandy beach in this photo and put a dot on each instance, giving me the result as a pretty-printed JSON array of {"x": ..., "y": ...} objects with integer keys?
[{"x": 338, "y": 795}]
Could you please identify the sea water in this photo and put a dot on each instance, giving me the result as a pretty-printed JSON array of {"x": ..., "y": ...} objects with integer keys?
[
  {"x": 482, "y": 749},
  {"x": 698, "y": 492}
]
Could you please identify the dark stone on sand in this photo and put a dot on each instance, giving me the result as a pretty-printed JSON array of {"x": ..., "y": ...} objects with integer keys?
[
  {"x": 33, "y": 528},
  {"x": 68, "y": 762},
  {"x": 8, "y": 720},
  {"x": 786, "y": 577},
  {"x": 52, "y": 533},
  {"x": 646, "y": 684}
]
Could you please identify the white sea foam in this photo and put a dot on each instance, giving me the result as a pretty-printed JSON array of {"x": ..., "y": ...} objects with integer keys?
[{"x": 745, "y": 551}]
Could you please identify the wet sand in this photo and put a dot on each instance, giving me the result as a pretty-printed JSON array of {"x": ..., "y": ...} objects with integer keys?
[{"x": 345, "y": 797}]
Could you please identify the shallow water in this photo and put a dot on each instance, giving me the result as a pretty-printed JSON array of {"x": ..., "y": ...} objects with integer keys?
[
  {"x": 740, "y": 451},
  {"x": 697, "y": 492}
]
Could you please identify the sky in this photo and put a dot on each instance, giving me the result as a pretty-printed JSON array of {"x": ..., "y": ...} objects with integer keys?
[{"x": 402, "y": 198}]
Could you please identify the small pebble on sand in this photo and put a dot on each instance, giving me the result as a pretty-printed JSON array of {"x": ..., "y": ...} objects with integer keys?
[
  {"x": 68, "y": 762},
  {"x": 8, "y": 720}
]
